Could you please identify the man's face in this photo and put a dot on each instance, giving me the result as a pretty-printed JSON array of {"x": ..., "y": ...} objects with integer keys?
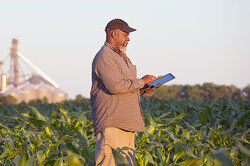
[{"x": 121, "y": 40}]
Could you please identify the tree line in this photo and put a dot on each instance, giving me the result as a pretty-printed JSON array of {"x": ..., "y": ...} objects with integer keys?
[{"x": 206, "y": 91}]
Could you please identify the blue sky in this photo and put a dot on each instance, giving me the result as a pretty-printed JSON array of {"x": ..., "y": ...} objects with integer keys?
[{"x": 196, "y": 40}]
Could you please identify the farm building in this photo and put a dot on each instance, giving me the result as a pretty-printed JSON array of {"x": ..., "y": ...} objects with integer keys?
[{"x": 25, "y": 87}]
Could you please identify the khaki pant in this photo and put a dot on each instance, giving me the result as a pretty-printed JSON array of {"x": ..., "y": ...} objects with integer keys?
[{"x": 115, "y": 138}]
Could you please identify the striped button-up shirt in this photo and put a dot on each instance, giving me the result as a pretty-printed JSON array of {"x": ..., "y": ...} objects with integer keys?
[{"x": 115, "y": 97}]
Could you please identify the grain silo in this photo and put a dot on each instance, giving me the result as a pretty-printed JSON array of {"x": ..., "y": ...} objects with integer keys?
[
  {"x": 26, "y": 87},
  {"x": 14, "y": 92},
  {"x": 29, "y": 92},
  {"x": 58, "y": 95},
  {"x": 44, "y": 91}
]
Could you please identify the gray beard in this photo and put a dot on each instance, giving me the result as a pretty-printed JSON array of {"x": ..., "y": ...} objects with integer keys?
[{"x": 122, "y": 49}]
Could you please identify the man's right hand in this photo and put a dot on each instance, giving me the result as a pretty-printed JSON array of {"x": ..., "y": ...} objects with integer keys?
[{"x": 148, "y": 79}]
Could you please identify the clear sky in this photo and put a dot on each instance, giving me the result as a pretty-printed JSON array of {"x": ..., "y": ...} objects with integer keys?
[{"x": 196, "y": 40}]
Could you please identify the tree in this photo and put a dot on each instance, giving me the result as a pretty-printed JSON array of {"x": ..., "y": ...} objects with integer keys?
[
  {"x": 246, "y": 92},
  {"x": 8, "y": 100},
  {"x": 80, "y": 99},
  {"x": 207, "y": 91}
]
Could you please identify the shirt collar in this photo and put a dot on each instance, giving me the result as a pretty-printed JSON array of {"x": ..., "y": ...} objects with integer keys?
[{"x": 113, "y": 48}]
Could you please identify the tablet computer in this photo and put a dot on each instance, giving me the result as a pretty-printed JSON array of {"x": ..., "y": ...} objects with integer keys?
[{"x": 157, "y": 82}]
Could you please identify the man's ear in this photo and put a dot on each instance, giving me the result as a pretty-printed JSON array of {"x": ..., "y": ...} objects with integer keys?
[{"x": 113, "y": 34}]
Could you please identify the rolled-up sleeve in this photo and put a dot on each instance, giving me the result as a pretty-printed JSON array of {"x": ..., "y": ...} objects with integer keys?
[{"x": 109, "y": 72}]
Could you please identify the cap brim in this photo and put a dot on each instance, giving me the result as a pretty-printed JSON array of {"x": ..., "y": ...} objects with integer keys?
[
  {"x": 128, "y": 30},
  {"x": 131, "y": 29}
]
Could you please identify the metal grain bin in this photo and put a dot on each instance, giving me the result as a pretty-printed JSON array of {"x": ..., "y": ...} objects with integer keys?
[
  {"x": 29, "y": 91},
  {"x": 14, "y": 92},
  {"x": 44, "y": 90},
  {"x": 58, "y": 95}
]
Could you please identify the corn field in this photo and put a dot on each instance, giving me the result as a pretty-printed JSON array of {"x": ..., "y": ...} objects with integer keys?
[{"x": 177, "y": 133}]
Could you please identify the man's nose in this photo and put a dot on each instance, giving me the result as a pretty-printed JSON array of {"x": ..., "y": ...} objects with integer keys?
[{"x": 128, "y": 39}]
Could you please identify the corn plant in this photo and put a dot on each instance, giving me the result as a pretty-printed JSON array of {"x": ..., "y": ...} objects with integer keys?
[{"x": 177, "y": 133}]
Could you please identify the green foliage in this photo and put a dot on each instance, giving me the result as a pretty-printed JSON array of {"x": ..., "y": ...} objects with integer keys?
[
  {"x": 177, "y": 133},
  {"x": 81, "y": 99},
  {"x": 52, "y": 136},
  {"x": 246, "y": 91},
  {"x": 120, "y": 160},
  {"x": 7, "y": 100},
  {"x": 207, "y": 91},
  {"x": 192, "y": 132}
]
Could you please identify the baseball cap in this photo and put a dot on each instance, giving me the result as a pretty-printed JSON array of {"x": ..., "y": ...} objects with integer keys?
[{"x": 119, "y": 24}]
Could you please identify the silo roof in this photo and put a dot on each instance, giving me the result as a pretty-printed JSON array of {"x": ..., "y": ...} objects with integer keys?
[
  {"x": 26, "y": 85},
  {"x": 44, "y": 86},
  {"x": 37, "y": 79},
  {"x": 11, "y": 89},
  {"x": 58, "y": 90}
]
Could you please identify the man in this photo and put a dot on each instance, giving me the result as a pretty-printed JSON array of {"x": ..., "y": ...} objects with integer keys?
[{"x": 115, "y": 97}]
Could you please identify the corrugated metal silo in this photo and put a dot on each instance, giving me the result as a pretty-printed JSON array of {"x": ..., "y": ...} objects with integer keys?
[
  {"x": 44, "y": 90},
  {"x": 14, "y": 92},
  {"x": 59, "y": 95},
  {"x": 29, "y": 91}
]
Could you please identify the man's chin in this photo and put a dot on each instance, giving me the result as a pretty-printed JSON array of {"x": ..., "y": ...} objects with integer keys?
[{"x": 122, "y": 49}]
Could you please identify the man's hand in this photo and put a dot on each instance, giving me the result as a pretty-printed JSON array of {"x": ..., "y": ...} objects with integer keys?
[
  {"x": 159, "y": 83},
  {"x": 149, "y": 92},
  {"x": 148, "y": 79}
]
